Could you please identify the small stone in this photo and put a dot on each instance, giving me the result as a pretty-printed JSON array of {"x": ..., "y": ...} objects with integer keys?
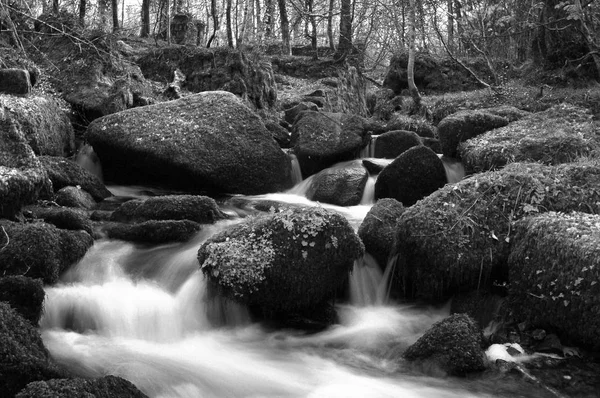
[
  {"x": 538, "y": 334},
  {"x": 513, "y": 351},
  {"x": 522, "y": 326}
]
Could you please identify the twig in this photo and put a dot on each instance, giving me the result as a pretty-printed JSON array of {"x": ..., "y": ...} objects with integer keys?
[{"x": 7, "y": 238}]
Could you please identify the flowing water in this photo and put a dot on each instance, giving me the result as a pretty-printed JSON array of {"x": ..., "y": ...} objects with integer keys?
[{"x": 145, "y": 314}]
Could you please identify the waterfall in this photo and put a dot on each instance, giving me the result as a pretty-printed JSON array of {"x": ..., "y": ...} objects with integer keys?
[
  {"x": 369, "y": 150},
  {"x": 87, "y": 158},
  {"x": 296, "y": 172},
  {"x": 455, "y": 170},
  {"x": 365, "y": 282},
  {"x": 368, "y": 197}
]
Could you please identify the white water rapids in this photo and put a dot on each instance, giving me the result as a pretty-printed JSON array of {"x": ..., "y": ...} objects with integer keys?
[{"x": 145, "y": 314}]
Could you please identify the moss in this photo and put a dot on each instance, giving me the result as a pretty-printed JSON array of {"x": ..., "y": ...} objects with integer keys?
[
  {"x": 25, "y": 295},
  {"x": 558, "y": 135},
  {"x": 154, "y": 231},
  {"x": 288, "y": 259},
  {"x": 75, "y": 197},
  {"x": 457, "y": 239},
  {"x": 554, "y": 270},
  {"x": 200, "y": 209},
  {"x": 453, "y": 344},
  {"x": 63, "y": 217},
  {"x": 103, "y": 387},
  {"x": 393, "y": 143},
  {"x": 23, "y": 357},
  {"x": 378, "y": 229}
]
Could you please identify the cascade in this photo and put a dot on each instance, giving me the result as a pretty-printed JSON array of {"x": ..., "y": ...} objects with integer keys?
[
  {"x": 296, "y": 172},
  {"x": 455, "y": 171},
  {"x": 368, "y": 197},
  {"x": 87, "y": 158},
  {"x": 369, "y": 150}
]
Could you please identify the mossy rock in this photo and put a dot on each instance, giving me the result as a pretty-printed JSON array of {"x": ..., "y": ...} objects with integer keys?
[
  {"x": 393, "y": 143},
  {"x": 163, "y": 231},
  {"x": 63, "y": 217},
  {"x": 285, "y": 260},
  {"x": 321, "y": 139},
  {"x": 103, "y": 387},
  {"x": 40, "y": 250},
  {"x": 75, "y": 197},
  {"x": 25, "y": 295},
  {"x": 403, "y": 122},
  {"x": 342, "y": 185},
  {"x": 23, "y": 357},
  {"x": 457, "y": 239},
  {"x": 201, "y": 209},
  {"x": 558, "y": 135},
  {"x": 378, "y": 229},
  {"x": 64, "y": 172},
  {"x": 511, "y": 113},
  {"x": 464, "y": 125},
  {"x": 453, "y": 345},
  {"x": 46, "y": 127},
  {"x": 207, "y": 142},
  {"x": 412, "y": 176},
  {"x": 554, "y": 273}
]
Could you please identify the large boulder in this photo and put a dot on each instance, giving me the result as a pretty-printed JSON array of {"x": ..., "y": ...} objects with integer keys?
[
  {"x": 412, "y": 176},
  {"x": 393, "y": 143},
  {"x": 155, "y": 232},
  {"x": 322, "y": 139},
  {"x": 554, "y": 273},
  {"x": 452, "y": 345},
  {"x": 103, "y": 387},
  {"x": 23, "y": 357},
  {"x": 558, "y": 135},
  {"x": 200, "y": 209},
  {"x": 458, "y": 238},
  {"x": 40, "y": 250},
  {"x": 63, "y": 217},
  {"x": 64, "y": 172},
  {"x": 378, "y": 229},
  {"x": 205, "y": 142},
  {"x": 25, "y": 295},
  {"x": 463, "y": 125},
  {"x": 22, "y": 178},
  {"x": 45, "y": 125},
  {"x": 281, "y": 261},
  {"x": 342, "y": 185}
]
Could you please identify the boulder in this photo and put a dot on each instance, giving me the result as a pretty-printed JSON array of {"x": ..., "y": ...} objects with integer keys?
[
  {"x": 204, "y": 142},
  {"x": 462, "y": 125},
  {"x": 44, "y": 124},
  {"x": 342, "y": 185},
  {"x": 22, "y": 178},
  {"x": 560, "y": 134},
  {"x": 322, "y": 139},
  {"x": 15, "y": 81},
  {"x": 399, "y": 121},
  {"x": 201, "y": 209},
  {"x": 411, "y": 176},
  {"x": 554, "y": 273},
  {"x": 292, "y": 113},
  {"x": 279, "y": 134},
  {"x": 458, "y": 238},
  {"x": 375, "y": 166},
  {"x": 40, "y": 250},
  {"x": 511, "y": 113},
  {"x": 75, "y": 197},
  {"x": 25, "y": 295},
  {"x": 284, "y": 260},
  {"x": 378, "y": 229},
  {"x": 63, "y": 217},
  {"x": 103, "y": 387},
  {"x": 452, "y": 345},
  {"x": 23, "y": 357},
  {"x": 156, "y": 232},
  {"x": 64, "y": 172},
  {"x": 391, "y": 144}
]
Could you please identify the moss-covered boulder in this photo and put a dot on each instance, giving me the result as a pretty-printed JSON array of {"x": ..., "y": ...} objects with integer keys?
[
  {"x": 281, "y": 261},
  {"x": 374, "y": 165},
  {"x": 209, "y": 142},
  {"x": 23, "y": 357},
  {"x": 201, "y": 209},
  {"x": 412, "y": 176},
  {"x": 554, "y": 273},
  {"x": 103, "y": 387},
  {"x": 63, "y": 217},
  {"x": 511, "y": 113},
  {"x": 463, "y": 125},
  {"x": 458, "y": 238},
  {"x": 399, "y": 121},
  {"x": 163, "y": 231},
  {"x": 64, "y": 172},
  {"x": 22, "y": 178},
  {"x": 378, "y": 229},
  {"x": 392, "y": 144},
  {"x": 342, "y": 185},
  {"x": 453, "y": 345},
  {"x": 557, "y": 135},
  {"x": 322, "y": 139},
  {"x": 25, "y": 295},
  {"x": 40, "y": 250},
  {"x": 45, "y": 125},
  {"x": 75, "y": 197},
  {"x": 15, "y": 81}
]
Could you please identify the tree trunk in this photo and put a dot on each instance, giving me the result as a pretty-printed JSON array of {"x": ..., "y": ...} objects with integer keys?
[
  {"x": 103, "y": 10},
  {"x": 55, "y": 7},
  {"x": 114, "y": 4},
  {"x": 215, "y": 18},
  {"x": 260, "y": 27},
  {"x": 168, "y": 22},
  {"x": 228, "y": 23},
  {"x": 345, "y": 44},
  {"x": 269, "y": 10},
  {"x": 82, "y": 7},
  {"x": 145, "y": 32},
  {"x": 450, "y": 39},
  {"x": 410, "y": 70},
  {"x": 330, "y": 25},
  {"x": 285, "y": 27}
]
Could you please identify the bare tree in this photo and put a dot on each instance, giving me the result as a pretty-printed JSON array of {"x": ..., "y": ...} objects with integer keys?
[
  {"x": 345, "y": 44},
  {"x": 285, "y": 27},
  {"x": 410, "y": 70}
]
